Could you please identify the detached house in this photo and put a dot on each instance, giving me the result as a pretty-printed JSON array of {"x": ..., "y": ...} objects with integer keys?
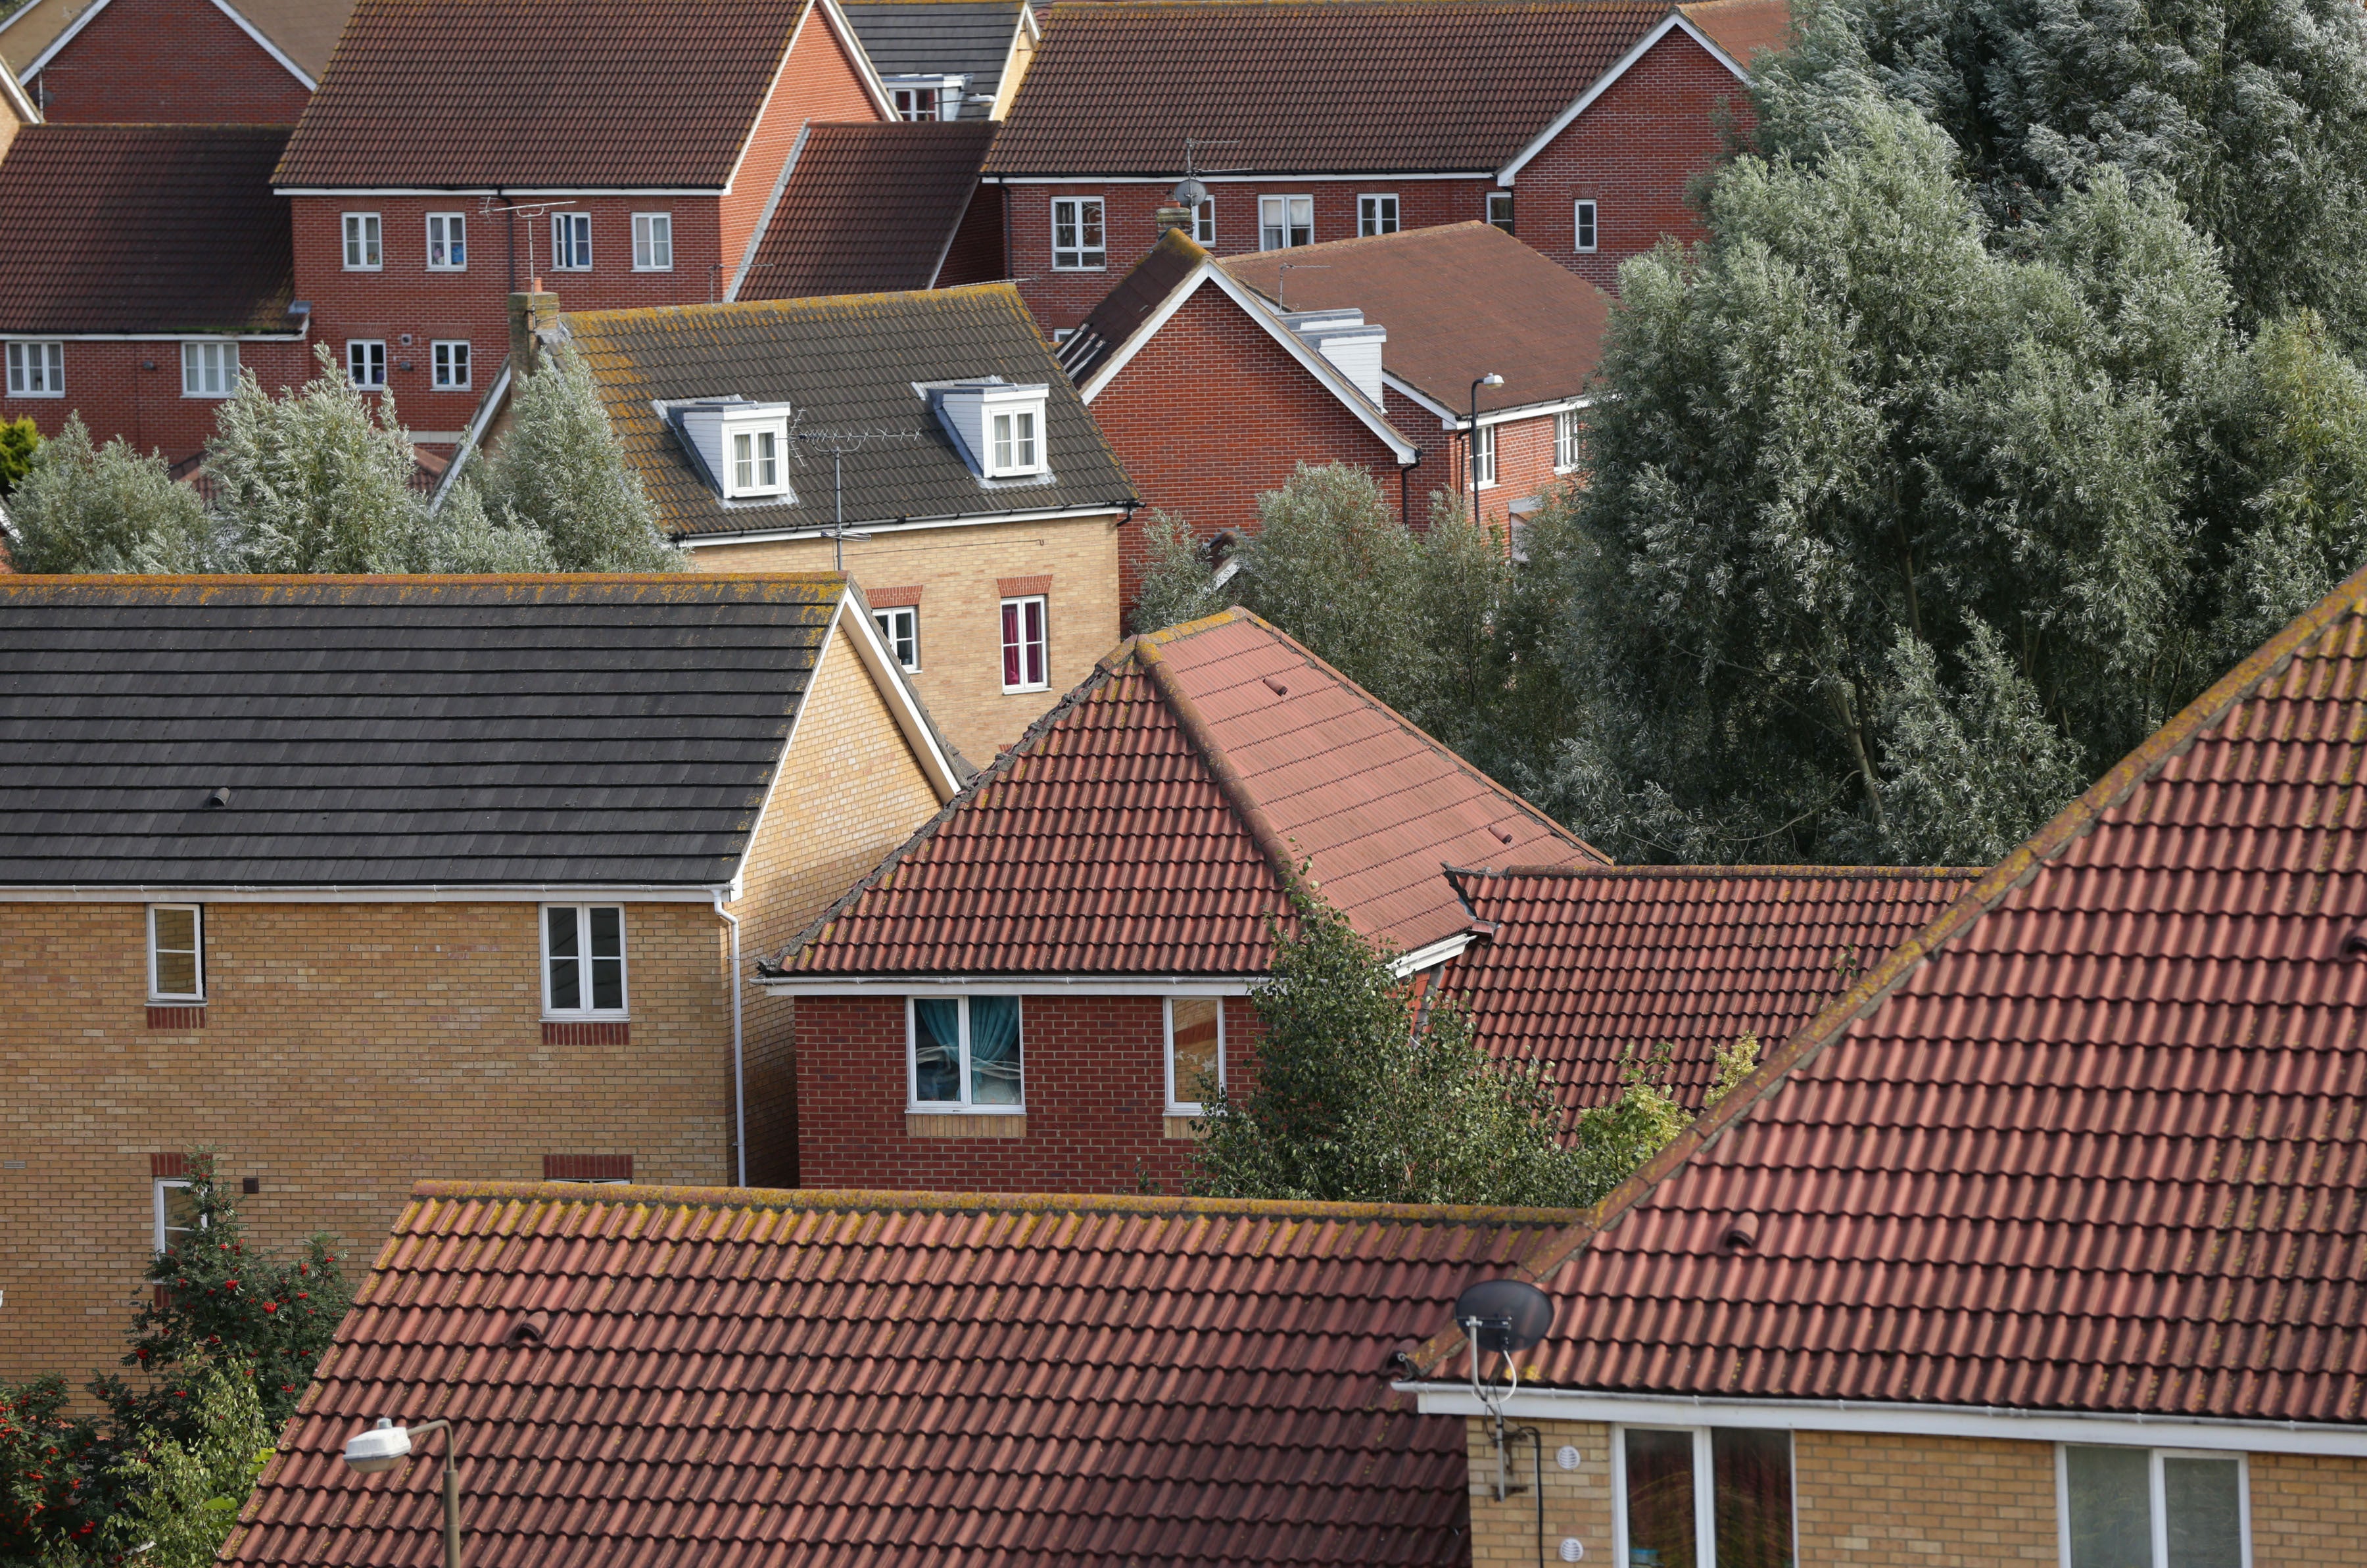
[
  {"x": 172, "y": 61},
  {"x": 360, "y": 879}
]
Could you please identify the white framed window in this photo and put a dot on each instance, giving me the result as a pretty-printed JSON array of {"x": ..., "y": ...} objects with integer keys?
[
  {"x": 366, "y": 362},
  {"x": 363, "y": 251},
  {"x": 1584, "y": 226},
  {"x": 1500, "y": 210},
  {"x": 2152, "y": 1507},
  {"x": 448, "y": 241},
  {"x": 900, "y": 628},
  {"x": 1483, "y": 455},
  {"x": 570, "y": 242},
  {"x": 1025, "y": 668},
  {"x": 37, "y": 370},
  {"x": 177, "y": 953},
  {"x": 208, "y": 369},
  {"x": 449, "y": 359},
  {"x": 1285, "y": 222},
  {"x": 964, "y": 1053},
  {"x": 1377, "y": 215},
  {"x": 755, "y": 462},
  {"x": 1566, "y": 441},
  {"x": 1196, "y": 1051},
  {"x": 1080, "y": 242},
  {"x": 583, "y": 961},
  {"x": 925, "y": 97},
  {"x": 177, "y": 1213},
  {"x": 1016, "y": 448},
  {"x": 652, "y": 242},
  {"x": 1702, "y": 1495},
  {"x": 1204, "y": 223}
]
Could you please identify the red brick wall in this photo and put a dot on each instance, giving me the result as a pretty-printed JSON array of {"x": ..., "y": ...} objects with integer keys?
[
  {"x": 167, "y": 62},
  {"x": 105, "y": 385},
  {"x": 1212, "y": 414},
  {"x": 1524, "y": 460},
  {"x": 1633, "y": 153},
  {"x": 1094, "y": 1077},
  {"x": 818, "y": 81}
]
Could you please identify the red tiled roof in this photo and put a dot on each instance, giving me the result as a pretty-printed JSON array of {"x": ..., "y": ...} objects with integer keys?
[
  {"x": 883, "y": 1378},
  {"x": 144, "y": 228},
  {"x": 1588, "y": 963},
  {"x": 869, "y": 208},
  {"x": 1335, "y": 86},
  {"x": 2091, "y": 1141},
  {"x": 1135, "y": 831},
  {"x": 447, "y": 95}
]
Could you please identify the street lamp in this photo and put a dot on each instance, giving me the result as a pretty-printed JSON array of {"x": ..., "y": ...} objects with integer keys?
[
  {"x": 1490, "y": 380},
  {"x": 386, "y": 1445}
]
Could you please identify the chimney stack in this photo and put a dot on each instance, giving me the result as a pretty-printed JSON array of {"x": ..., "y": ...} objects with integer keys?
[
  {"x": 1173, "y": 218},
  {"x": 533, "y": 315}
]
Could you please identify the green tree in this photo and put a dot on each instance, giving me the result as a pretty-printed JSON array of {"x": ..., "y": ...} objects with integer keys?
[
  {"x": 19, "y": 439},
  {"x": 108, "y": 509},
  {"x": 182, "y": 1496},
  {"x": 561, "y": 472}
]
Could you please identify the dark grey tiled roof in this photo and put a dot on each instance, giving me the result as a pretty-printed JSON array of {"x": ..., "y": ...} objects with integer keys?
[
  {"x": 845, "y": 363},
  {"x": 948, "y": 38},
  {"x": 395, "y": 730}
]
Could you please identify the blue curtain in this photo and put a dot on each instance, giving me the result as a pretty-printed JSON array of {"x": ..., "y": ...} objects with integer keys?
[
  {"x": 936, "y": 1052},
  {"x": 994, "y": 1050}
]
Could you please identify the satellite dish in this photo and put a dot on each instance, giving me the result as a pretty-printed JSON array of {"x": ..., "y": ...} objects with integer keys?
[
  {"x": 1512, "y": 1314},
  {"x": 1192, "y": 192}
]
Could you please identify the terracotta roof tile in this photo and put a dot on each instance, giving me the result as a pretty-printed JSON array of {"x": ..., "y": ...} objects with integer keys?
[
  {"x": 1744, "y": 29},
  {"x": 869, "y": 208},
  {"x": 1336, "y": 87},
  {"x": 844, "y": 1378}
]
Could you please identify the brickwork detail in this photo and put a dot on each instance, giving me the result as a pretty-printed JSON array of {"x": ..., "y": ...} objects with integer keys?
[
  {"x": 175, "y": 1018},
  {"x": 167, "y": 63},
  {"x": 133, "y": 389},
  {"x": 586, "y": 1034},
  {"x": 1941, "y": 1502},
  {"x": 1577, "y": 1502},
  {"x": 818, "y": 81},
  {"x": 2308, "y": 1512},
  {"x": 587, "y": 1167}
]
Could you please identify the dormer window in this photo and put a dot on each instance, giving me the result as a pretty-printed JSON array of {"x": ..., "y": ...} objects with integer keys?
[
  {"x": 743, "y": 447},
  {"x": 997, "y": 426},
  {"x": 755, "y": 462},
  {"x": 1014, "y": 443}
]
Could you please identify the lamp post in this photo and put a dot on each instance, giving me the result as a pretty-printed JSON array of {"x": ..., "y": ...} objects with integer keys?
[
  {"x": 1490, "y": 380},
  {"x": 386, "y": 1445}
]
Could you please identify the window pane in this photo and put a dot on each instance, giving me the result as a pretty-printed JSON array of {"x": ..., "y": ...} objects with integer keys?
[
  {"x": 1195, "y": 1049},
  {"x": 566, "y": 980},
  {"x": 176, "y": 974},
  {"x": 994, "y": 1050},
  {"x": 1010, "y": 644},
  {"x": 937, "y": 1052},
  {"x": 1753, "y": 1501},
  {"x": 180, "y": 1215},
  {"x": 608, "y": 959},
  {"x": 2112, "y": 1508},
  {"x": 2202, "y": 1497},
  {"x": 1035, "y": 642},
  {"x": 1026, "y": 440},
  {"x": 1660, "y": 1500}
]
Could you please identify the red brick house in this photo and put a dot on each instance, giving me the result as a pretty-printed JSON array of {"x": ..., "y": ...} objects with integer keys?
[
  {"x": 1575, "y": 125},
  {"x": 456, "y": 152},
  {"x": 172, "y": 61},
  {"x": 177, "y": 276},
  {"x": 1021, "y": 998}
]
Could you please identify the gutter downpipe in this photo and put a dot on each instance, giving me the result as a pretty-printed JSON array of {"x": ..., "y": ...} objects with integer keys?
[{"x": 739, "y": 1081}]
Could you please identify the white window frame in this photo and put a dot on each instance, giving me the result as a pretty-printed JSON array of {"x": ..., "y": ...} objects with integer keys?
[
  {"x": 1585, "y": 225},
  {"x": 965, "y": 1106},
  {"x": 1704, "y": 1489},
  {"x": 437, "y": 364},
  {"x": 653, "y": 233},
  {"x": 1020, "y": 453},
  {"x": 1285, "y": 228},
  {"x": 887, "y": 620},
  {"x": 753, "y": 431},
  {"x": 1176, "y": 1104},
  {"x": 365, "y": 344},
  {"x": 157, "y": 1187},
  {"x": 1077, "y": 254},
  {"x": 194, "y": 372},
  {"x": 32, "y": 361},
  {"x": 1483, "y": 457},
  {"x": 1044, "y": 610},
  {"x": 1369, "y": 213},
  {"x": 364, "y": 238},
  {"x": 1204, "y": 223},
  {"x": 569, "y": 223},
  {"x": 1503, "y": 197},
  {"x": 583, "y": 963},
  {"x": 2158, "y": 1499},
  {"x": 1567, "y": 433},
  {"x": 454, "y": 241},
  {"x": 177, "y": 998}
]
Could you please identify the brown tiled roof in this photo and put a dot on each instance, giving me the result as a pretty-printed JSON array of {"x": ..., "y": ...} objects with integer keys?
[
  {"x": 1137, "y": 296},
  {"x": 1139, "y": 827},
  {"x": 144, "y": 228},
  {"x": 1331, "y": 86},
  {"x": 1587, "y": 964},
  {"x": 1460, "y": 301},
  {"x": 1743, "y": 28},
  {"x": 466, "y": 94},
  {"x": 869, "y": 208},
  {"x": 646, "y": 1375},
  {"x": 2090, "y": 1141}
]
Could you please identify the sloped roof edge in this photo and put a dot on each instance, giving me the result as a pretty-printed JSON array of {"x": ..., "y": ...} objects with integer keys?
[{"x": 1676, "y": 20}]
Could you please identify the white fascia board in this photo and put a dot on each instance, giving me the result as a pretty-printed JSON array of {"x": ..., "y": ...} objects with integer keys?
[
  {"x": 1006, "y": 84},
  {"x": 764, "y": 219},
  {"x": 1902, "y": 1420},
  {"x": 360, "y": 893},
  {"x": 1380, "y": 180},
  {"x": 896, "y": 986},
  {"x": 14, "y": 336},
  {"x": 269, "y": 48},
  {"x": 781, "y": 757},
  {"x": 63, "y": 38},
  {"x": 781, "y": 69},
  {"x": 695, "y": 542},
  {"x": 13, "y": 91},
  {"x": 1422, "y": 958},
  {"x": 889, "y": 677},
  {"x": 1674, "y": 21},
  {"x": 537, "y": 191},
  {"x": 1452, "y": 419},
  {"x": 862, "y": 57},
  {"x": 472, "y": 439}
]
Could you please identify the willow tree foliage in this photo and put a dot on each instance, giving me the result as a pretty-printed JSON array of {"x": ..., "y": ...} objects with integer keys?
[
  {"x": 82, "y": 507},
  {"x": 561, "y": 476}
]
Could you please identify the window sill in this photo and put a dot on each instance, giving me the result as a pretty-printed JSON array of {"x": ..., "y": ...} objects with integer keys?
[
  {"x": 176, "y": 1015},
  {"x": 587, "y": 1032},
  {"x": 36, "y": 394},
  {"x": 1022, "y": 690},
  {"x": 964, "y": 1124},
  {"x": 1181, "y": 1126}
]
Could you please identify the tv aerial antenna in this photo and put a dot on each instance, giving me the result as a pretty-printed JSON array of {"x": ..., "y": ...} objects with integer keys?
[
  {"x": 532, "y": 210},
  {"x": 1193, "y": 189},
  {"x": 838, "y": 443}
]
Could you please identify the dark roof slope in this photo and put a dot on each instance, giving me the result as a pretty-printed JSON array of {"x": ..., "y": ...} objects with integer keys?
[
  {"x": 847, "y": 365},
  {"x": 1142, "y": 825},
  {"x": 144, "y": 227},
  {"x": 1137, "y": 296},
  {"x": 1331, "y": 86},
  {"x": 447, "y": 95},
  {"x": 869, "y": 208},
  {"x": 1459, "y": 301},
  {"x": 2090, "y": 1141},
  {"x": 397, "y": 730},
  {"x": 948, "y": 38},
  {"x": 650, "y": 1375}
]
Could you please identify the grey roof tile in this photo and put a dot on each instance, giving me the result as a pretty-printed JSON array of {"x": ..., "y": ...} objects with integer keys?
[{"x": 952, "y": 38}]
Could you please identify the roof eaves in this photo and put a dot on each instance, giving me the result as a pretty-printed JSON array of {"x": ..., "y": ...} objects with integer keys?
[
  {"x": 2069, "y": 826},
  {"x": 18, "y": 99}
]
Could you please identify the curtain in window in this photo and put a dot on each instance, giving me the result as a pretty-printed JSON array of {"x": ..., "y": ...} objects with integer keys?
[
  {"x": 936, "y": 1052},
  {"x": 1752, "y": 1500},
  {"x": 1660, "y": 1500},
  {"x": 994, "y": 1050}
]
